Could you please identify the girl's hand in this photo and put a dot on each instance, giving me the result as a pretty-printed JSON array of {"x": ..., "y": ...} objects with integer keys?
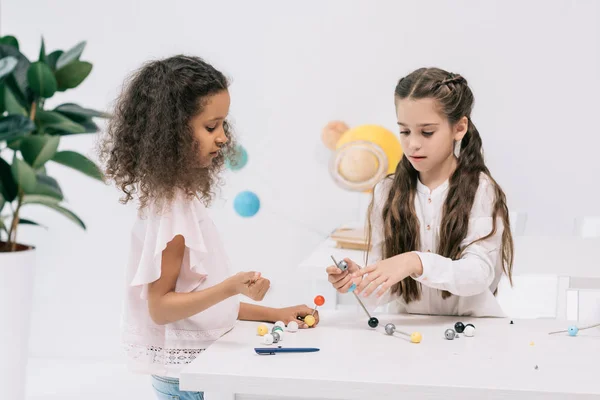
[
  {"x": 342, "y": 280},
  {"x": 250, "y": 284},
  {"x": 292, "y": 313},
  {"x": 386, "y": 273}
]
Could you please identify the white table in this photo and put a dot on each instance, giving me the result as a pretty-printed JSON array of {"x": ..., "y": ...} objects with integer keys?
[{"x": 357, "y": 362}]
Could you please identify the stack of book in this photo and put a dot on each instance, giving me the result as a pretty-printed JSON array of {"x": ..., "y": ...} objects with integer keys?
[{"x": 350, "y": 238}]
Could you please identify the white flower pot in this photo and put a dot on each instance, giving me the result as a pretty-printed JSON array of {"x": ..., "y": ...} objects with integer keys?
[{"x": 16, "y": 292}]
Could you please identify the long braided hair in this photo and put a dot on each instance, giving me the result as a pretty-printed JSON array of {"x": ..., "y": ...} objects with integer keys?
[{"x": 401, "y": 226}]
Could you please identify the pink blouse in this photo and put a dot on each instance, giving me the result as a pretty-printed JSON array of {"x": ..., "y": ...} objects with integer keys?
[{"x": 165, "y": 349}]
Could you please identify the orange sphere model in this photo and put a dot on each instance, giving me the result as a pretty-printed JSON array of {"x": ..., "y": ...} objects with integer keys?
[
  {"x": 332, "y": 132},
  {"x": 319, "y": 300}
]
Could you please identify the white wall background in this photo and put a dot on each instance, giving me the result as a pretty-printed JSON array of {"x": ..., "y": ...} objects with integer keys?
[{"x": 533, "y": 65}]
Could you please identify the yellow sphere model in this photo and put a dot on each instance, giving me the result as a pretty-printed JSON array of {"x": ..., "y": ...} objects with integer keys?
[
  {"x": 364, "y": 155},
  {"x": 415, "y": 337},
  {"x": 262, "y": 330},
  {"x": 378, "y": 135},
  {"x": 309, "y": 320}
]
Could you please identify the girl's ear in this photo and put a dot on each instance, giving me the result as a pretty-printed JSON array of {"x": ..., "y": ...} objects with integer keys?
[{"x": 460, "y": 128}]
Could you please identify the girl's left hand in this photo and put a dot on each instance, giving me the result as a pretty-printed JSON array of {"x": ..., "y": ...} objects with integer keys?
[
  {"x": 386, "y": 273},
  {"x": 292, "y": 313}
]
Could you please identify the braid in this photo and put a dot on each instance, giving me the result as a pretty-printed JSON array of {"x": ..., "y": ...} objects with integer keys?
[
  {"x": 453, "y": 79},
  {"x": 401, "y": 227}
]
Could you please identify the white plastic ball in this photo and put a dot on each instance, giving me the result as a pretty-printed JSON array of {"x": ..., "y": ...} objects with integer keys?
[
  {"x": 280, "y": 324},
  {"x": 268, "y": 339},
  {"x": 469, "y": 331},
  {"x": 292, "y": 326}
]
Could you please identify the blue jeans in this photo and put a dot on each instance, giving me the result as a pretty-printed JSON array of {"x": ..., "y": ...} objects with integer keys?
[{"x": 168, "y": 389}]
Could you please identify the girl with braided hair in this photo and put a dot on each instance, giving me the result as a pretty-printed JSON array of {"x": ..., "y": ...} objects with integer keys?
[{"x": 439, "y": 226}]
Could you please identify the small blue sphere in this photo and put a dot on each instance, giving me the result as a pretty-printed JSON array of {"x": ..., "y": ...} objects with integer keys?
[
  {"x": 246, "y": 204},
  {"x": 240, "y": 158},
  {"x": 573, "y": 330}
]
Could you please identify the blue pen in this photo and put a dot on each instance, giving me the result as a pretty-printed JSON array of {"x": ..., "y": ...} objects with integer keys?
[{"x": 273, "y": 350}]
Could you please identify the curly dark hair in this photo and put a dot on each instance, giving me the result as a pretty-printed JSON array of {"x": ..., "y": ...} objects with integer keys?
[{"x": 149, "y": 149}]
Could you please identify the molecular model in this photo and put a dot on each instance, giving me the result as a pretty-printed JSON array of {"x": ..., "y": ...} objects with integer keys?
[
  {"x": 276, "y": 334},
  {"x": 373, "y": 322},
  {"x": 415, "y": 337},
  {"x": 574, "y": 330},
  {"x": 468, "y": 330},
  {"x": 310, "y": 319}
]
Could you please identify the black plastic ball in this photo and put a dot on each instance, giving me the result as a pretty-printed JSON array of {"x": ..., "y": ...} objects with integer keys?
[
  {"x": 373, "y": 322},
  {"x": 459, "y": 327}
]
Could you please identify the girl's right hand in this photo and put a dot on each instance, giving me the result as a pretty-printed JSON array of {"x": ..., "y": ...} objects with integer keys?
[
  {"x": 250, "y": 284},
  {"x": 342, "y": 280}
]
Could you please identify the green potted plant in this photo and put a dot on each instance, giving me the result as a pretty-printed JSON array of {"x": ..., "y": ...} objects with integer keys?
[{"x": 30, "y": 135}]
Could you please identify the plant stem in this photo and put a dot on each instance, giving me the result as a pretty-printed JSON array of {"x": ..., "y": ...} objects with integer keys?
[
  {"x": 12, "y": 233},
  {"x": 33, "y": 109}
]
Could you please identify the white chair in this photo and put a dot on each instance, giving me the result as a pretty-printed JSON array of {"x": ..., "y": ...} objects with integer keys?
[
  {"x": 533, "y": 295},
  {"x": 579, "y": 296}
]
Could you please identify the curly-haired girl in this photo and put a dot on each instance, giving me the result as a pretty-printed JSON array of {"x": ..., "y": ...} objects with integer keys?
[{"x": 165, "y": 146}]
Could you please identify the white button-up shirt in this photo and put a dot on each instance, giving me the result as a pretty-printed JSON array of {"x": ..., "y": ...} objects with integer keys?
[{"x": 472, "y": 279}]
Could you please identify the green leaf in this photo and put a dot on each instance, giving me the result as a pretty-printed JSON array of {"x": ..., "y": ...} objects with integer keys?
[
  {"x": 71, "y": 55},
  {"x": 37, "y": 149},
  {"x": 47, "y": 186},
  {"x": 11, "y": 104},
  {"x": 87, "y": 122},
  {"x": 39, "y": 199},
  {"x": 79, "y": 162},
  {"x": 41, "y": 80},
  {"x": 71, "y": 109},
  {"x": 53, "y": 58},
  {"x": 15, "y": 126},
  {"x": 42, "y": 51},
  {"x": 69, "y": 214},
  {"x": 14, "y": 144},
  {"x": 25, "y": 221},
  {"x": 71, "y": 76},
  {"x": 8, "y": 185},
  {"x": 7, "y": 65},
  {"x": 10, "y": 41},
  {"x": 20, "y": 72},
  {"x": 23, "y": 174},
  {"x": 50, "y": 119},
  {"x": 53, "y": 204},
  {"x": 2, "y": 201}
]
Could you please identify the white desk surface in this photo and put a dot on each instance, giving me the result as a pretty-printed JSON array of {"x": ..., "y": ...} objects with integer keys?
[{"x": 357, "y": 362}]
